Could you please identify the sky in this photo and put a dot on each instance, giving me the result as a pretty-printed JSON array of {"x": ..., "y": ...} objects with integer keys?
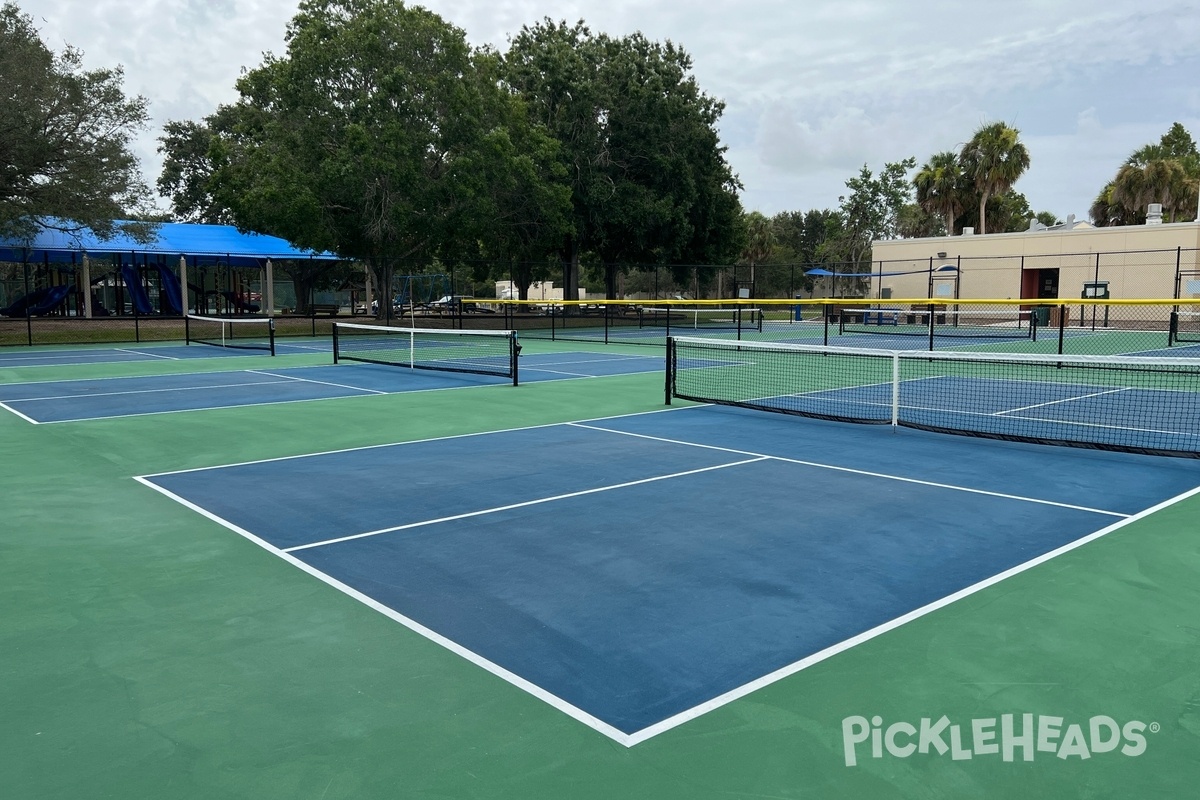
[{"x": 813, "y": 89}]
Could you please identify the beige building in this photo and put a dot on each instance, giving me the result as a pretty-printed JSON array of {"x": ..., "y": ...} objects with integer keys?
[{"x": 1129, "y": 262}]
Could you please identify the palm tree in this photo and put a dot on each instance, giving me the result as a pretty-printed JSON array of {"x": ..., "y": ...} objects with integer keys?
[
  {"x": 1106, "y": 210},
  {"x": 938, "y": 184},
  {"x": 1160, "y": 180},
  {"x": 760, "y": 240},
  {"x": 994, "y": 159},
  {"x": 1167, "y": 172}
]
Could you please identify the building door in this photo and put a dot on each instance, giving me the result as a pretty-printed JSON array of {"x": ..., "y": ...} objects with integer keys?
[{"x": 1047, "y": 284}]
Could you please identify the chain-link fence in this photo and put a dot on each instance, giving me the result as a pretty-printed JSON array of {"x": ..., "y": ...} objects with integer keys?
[{"x": 111, "y": 300}]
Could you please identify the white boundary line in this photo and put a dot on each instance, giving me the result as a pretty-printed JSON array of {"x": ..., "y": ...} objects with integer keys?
[
  {"x": 632, "y": 739},
  {"x": 365, "y": 393},
  {"x": 672, "y": 722},
  {"x": 12, "y": 410},
  {"x": 310, "y": 380},
  {"x": 164, "y": 390},
  {"x": 495, "y": 669},
  {"x": 151, "y": 376},
  {"x": 865, "y": 473},
  {"x": 143, "y": 353},
  {"x": 524, "y": 504},
  {"x": 418, "y": 441},
  {"x": 287, "y": 378}
]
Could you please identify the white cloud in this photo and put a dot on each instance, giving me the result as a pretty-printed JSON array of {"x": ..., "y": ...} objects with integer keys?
[{"x": 813, "y": 90}]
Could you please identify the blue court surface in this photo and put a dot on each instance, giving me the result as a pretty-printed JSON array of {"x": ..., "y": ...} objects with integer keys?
[
  {"x": 76, "y": 400},
  {"x": 149, "y": 352},
  {"x": 637, "y": 571},
  {"x": 1088, "y": 412}
]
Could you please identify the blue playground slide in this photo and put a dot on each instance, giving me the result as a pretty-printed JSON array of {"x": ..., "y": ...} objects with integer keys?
[
  {"x": 170, "y": 294},
  {"x": 137, "y": 292},
  {"x": 37, "y": 303},
  {"x": 17, "y": 307}
]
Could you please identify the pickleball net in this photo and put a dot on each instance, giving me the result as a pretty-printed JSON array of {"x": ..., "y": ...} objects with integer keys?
[
  {"x": 983, "y": 323},
  {"x": 1145, "y": 405},
  {"x": 1184, "y": 327},
  {"x": 241, "y": 333},
  {"x": 712, "y": 319},
  {"x": 447, "y": 350}
]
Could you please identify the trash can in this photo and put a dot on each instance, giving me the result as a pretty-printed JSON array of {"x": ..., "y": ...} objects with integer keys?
[
  {"x": 799, "y": 308},
  {"x": 1041, "y": 315}
]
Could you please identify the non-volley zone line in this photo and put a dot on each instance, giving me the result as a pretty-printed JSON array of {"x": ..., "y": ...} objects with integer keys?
[
  {"x": 75, "y": 356},
  {"x": 107, "y": 398},
  {"x": 707, "y": 548},
  {"x": 65, "y": 400}
]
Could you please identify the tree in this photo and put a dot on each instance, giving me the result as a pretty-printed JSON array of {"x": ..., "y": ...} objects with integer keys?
[
  {"x": 527, "y": 196},
  {"x": 916, "y": 222},
  {"x": 64, "y": 139},
  {"x": 1167, "y": 172},
  {"x": 647, "y": 174},
  {"x": 994, "y": 159},
  {"x": 380, "y": 135},
  {"x": 872, "y": 209},
  {"x": 760, "y": 241},
  {"x": 1007, "y": 212},
  {"x": 802, "y": 235},
  {"x": 1160, "y": 180},
  {"x": 187, "y": 171},
  {"x": 939, "y": 185}
]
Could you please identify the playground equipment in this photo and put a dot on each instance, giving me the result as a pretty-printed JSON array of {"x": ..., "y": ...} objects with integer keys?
[{"x": 37, "y": 303}]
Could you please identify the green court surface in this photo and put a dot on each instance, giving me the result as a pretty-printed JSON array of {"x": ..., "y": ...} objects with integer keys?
[{"x": 148, "y": 652}]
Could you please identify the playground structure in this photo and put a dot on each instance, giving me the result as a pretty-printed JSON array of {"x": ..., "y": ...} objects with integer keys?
[{"x": 123, "y": 286}]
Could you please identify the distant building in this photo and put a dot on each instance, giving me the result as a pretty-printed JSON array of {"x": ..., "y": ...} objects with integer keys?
[{"x": 1152, "y": 261}]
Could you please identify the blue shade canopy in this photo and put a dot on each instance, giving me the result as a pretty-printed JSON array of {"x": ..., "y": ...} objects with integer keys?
[
  {"x": 824, "y": 273},
  {"x": 200, "y": 243}
]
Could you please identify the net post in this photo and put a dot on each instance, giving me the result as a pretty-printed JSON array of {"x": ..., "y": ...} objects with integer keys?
[
  {"x": 187, "y": 329},
  {"x": 271, "y": 333},
  {"x": 895, "y": 390},
  {"x": 514, "y": 352},
  {"x": 825, "y": 310},
  {"x": 670, "y": 368},
  {"x": 1033, "y": 323},
  {"x": 335, "y": 343},
  {"x": 1062, "y": 327},
  {"x": 931, "y": 325}
]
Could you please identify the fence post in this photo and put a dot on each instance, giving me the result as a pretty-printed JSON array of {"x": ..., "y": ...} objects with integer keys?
[{"x": 28, "y": 314}]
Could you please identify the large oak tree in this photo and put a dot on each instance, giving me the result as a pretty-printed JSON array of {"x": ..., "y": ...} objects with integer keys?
[
  {"x": 379, "y": 136},
  {"x": 65, "y": 134},
  {"x": 639, "y": 146}
]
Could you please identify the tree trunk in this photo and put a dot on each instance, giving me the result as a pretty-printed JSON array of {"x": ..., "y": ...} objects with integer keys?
[
  {"x": 522, "y": 276},
  {"x": 983, "y": 212},
  {"x": 570, "y": 265},
  {"x": 383, "y": 272},
  {"x": 610, "y": 281}
]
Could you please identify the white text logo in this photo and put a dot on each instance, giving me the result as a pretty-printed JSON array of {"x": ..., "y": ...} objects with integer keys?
[{"x": 1010, "y": 736}]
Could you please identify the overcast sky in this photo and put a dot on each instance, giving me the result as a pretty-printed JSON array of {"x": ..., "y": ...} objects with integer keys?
[{"x": 813, "y": 89}]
